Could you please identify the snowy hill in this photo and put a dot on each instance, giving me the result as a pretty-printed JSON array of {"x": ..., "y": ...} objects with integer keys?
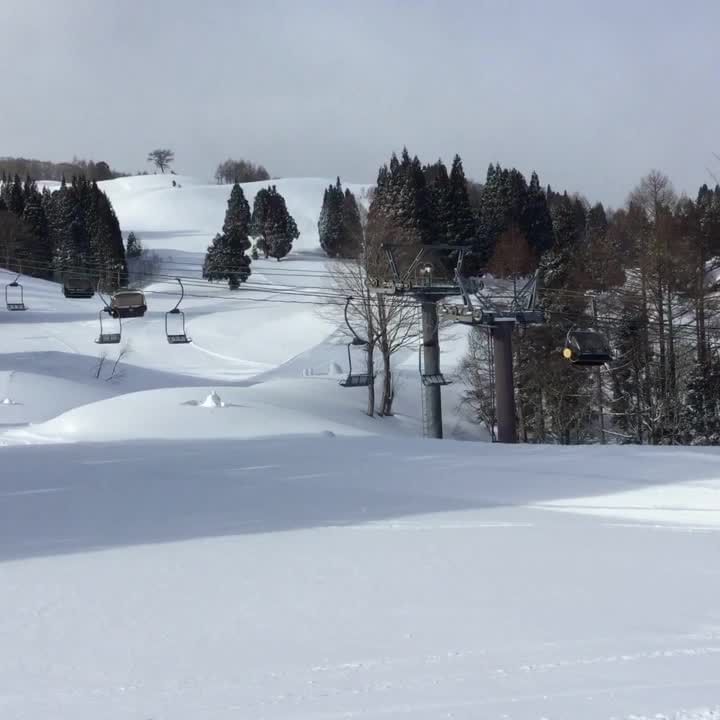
[
  {"x": 217, "y": 530},
  {"x": 188, "y": 217}
]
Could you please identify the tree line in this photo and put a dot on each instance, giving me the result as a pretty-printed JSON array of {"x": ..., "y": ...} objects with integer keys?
[
  {"x": 647, "y": 275},
  {"x": 504, "y": 225},
  {"x": 24, "y": 167},
  {"x": 240, "y": 171},
  {"x": 73, "y": 230}
]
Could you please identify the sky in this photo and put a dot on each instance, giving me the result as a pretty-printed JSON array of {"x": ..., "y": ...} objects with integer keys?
[{"x": 591, "y": 95}]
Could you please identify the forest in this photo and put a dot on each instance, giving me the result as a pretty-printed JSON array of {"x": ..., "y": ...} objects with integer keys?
[{"x": 645, "y": 275}]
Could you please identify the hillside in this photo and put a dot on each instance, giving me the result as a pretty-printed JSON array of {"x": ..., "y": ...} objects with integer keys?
[{"x": 187, "y": 217}]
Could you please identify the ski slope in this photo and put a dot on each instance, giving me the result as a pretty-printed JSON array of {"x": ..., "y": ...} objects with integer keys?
[{"x": 217, "y": 530}]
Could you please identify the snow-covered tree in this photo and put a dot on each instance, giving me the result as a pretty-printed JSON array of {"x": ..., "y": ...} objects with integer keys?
[
  {"x": 272, "y": 224},
  {"x": 134, "y": 246},
  {"x": 227, "y": 258}
]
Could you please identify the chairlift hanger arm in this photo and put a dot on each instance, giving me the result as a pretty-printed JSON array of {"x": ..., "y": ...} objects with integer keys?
[
  {"x": 182, "y": 295},
  {"x": 357, "y": 340}
]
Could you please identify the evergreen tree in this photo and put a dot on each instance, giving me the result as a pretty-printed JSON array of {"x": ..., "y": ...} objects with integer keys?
[
  {"x": 352, "y": 240},
  {"x": 106, "y": 239},
  {"x": 40, "y": 252},
  {"x": 462, "y": 228},
  {"x": 134, "y": 246},
  {"x": 226, "y": 258},
  {"x": 442, "y": 210},
  {"x": 214, "y": 262},
  {"x": 238, "y": 211},
  {"x": 536, "y": 221},
  {"x": 401, "y": 214},
  {"x": 330, "y": 222},
  {"x": 339, "y": 225},
  {"x": 16, "y": 197},
  {"x": 273, "y": 224}
]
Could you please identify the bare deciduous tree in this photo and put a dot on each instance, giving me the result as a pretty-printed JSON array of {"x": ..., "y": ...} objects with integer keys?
[
  {"x": 389, "y": 324},
  {"x": 161, "y": 158}
]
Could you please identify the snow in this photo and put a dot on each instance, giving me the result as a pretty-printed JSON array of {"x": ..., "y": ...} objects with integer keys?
[
  {"x": 212, "y": 401},
  {"x": 303, "y": 576},
  {"x": 217, "y": 529},
  {"x": 188, "y": 217}
]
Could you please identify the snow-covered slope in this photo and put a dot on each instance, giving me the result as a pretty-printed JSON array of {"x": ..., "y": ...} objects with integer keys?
[
  {"x": 188, "y": 216},
  {"x": 217, "y": 529},
  {"x": 328, "y": 577}
]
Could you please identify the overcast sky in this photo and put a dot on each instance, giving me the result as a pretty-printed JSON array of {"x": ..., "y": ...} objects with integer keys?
[{"x": 590, "y": 94}]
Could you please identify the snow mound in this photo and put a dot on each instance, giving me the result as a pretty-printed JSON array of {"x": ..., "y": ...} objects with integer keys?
[
  {"x": 212, "y": 401},
  {"x": 165, "y": 414}
]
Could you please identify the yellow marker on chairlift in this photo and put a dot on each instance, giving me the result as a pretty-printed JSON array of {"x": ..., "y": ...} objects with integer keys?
[{"x": 567, "y": 353}]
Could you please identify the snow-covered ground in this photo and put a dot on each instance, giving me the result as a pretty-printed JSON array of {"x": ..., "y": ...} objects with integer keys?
[{"x": 217, "y": 530}]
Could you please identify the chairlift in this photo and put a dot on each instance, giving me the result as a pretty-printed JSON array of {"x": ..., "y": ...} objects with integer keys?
[
  {"x": 78, "y": 286},
  {"x": 429, "y": 379},
  {"x": 354, "y": 380},
  {"x": 179, "y": 336},
  {"x": 107, "y": 337},
  {"x": 15, "y": 299},
  {"x": 587, "y": 348}
]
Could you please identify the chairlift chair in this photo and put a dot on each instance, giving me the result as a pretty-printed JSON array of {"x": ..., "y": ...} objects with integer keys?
[
  {"x": 587, "y": 348},
  {"x": 179, "y": 337},
  {"x": 354, "y": 380},
  {"x": 429, "y": 379},
  {"x": 15, "y": 300},
  {"x": 77, "y": 287},
  {"x": 107, "y": 337},
  {"x": 127, "y": 303}
]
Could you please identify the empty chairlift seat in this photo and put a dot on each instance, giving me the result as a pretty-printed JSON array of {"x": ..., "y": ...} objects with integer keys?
[
  {"x": 109, "y": 334},
  {"x": 356, "y": 379},
  {"x": 15, "y": 296},
  {"x": 175, "y": 322}
]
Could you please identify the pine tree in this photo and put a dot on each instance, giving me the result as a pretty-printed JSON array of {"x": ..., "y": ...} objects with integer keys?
[
  {"x": 352, "y": 240},
  {"x": 330, "y": 222},
  {"x": 108, "y": 250},
  {"x": 339, "y": 225},
  {"x": 226, "y": 257},
  {"x": 401, "y": 214},
  {"x": 273, "y": 224},
  {"x": 238, "y": 210},
  {"x": 536, "y": 220},
  {"x": 134, "y": 246},
  {"x": 40, "y": 252},
  {"x": 214, "y": 261},
  {"x": 442, "y": 210},
  {"x": 16, "y": 197}
]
